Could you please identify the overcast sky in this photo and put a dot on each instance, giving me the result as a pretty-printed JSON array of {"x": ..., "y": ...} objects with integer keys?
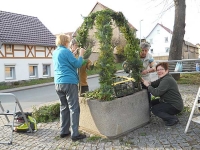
[{"x": 61, "y": 16}]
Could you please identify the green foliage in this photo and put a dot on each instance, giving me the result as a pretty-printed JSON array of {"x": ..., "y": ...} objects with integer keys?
[
  {"x": 93, "y": 138},
  {"x": 154, "y": 97},
  {"x": 47, "y": 113},
  {"x": 143, "y": 134},
  {"x": 120, "y": 50},
  {"x": 16, "y": 84},
  {"x": 193, "y": 78},
  {"x": 186, "y": 109},
  {"x": 96, "y": 70},
  {"x": 119, "y": 66},
  {"x": 87, "y": 53},
  {"x": 120, "y": 53},
  {"x": 104, "y": 94},
  {"x": 105, "y": 63}
]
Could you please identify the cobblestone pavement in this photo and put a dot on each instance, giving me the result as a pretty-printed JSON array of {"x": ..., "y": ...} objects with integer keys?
[{"x": 149, "y": 137}]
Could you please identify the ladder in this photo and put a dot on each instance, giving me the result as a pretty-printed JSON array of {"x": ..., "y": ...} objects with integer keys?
[
  {"x": 10, "y": 122},
  {"x": 191, "y": 118}
]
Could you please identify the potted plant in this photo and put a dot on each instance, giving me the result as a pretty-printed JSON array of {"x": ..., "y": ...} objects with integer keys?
[{"x": 102, "y": 115}]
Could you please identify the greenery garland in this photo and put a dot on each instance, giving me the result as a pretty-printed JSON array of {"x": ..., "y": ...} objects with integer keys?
[{"x": 103, "y": 21}]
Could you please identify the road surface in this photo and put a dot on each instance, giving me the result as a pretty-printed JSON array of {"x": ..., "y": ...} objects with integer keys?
[{"x": 41, "y": 95}]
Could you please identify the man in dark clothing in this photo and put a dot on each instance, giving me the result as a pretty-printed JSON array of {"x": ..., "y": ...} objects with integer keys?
[{"x": 170, "y": 102}]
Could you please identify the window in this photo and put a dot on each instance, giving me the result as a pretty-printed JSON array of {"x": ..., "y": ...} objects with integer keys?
[
  {"x": 151, "y": 41},
  {"x": 33, "y": 70},
  {"x": 167, "y": 49},
  {"x": 158, "y": 31},
  {"x": 151, "y": 50},
  {"x": 9, "y": 72},
  {"x": 166, "y": 39},
  {"x": 46, "y": 70},
  {"x": 8, "y": 48}
]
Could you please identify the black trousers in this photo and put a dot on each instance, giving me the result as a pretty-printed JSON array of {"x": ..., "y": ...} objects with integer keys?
[
  {"x": 83, "y": 89},
  {"x": 164, "y": 110}
]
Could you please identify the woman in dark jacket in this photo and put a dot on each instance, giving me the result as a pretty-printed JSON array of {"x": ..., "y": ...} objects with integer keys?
[{"x": 170, "y": 102}]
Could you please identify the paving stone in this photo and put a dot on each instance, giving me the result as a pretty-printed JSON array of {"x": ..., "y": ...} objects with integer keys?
[
  {"x": 153, "y": 136},
  {"x": 196, "y": 147}
]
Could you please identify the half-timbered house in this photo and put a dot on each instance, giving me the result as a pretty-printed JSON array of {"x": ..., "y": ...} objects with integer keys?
[{"x": 26, "y": 47}]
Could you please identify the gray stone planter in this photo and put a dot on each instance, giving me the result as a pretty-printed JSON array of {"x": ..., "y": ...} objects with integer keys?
[{"x": 115, "y": 118}]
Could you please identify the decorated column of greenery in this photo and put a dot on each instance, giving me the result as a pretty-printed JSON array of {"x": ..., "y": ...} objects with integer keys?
[
  {"x": 105, "y": 62},
  {"x": 132, "y": 49},
  {"x": 106, "y": 59}
]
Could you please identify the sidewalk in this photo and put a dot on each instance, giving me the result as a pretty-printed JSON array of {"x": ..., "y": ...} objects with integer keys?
[{"x": 152, "y": 136}]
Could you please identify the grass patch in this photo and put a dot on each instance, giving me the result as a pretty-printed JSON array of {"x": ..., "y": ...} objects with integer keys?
[
  {"x": 93, "y": 138},
  {"x": 189, "y": 79},
  {"x": 143, "y": 134},
  {"x": 186, "y": 109},
  {"x": 16, "y": 84}
]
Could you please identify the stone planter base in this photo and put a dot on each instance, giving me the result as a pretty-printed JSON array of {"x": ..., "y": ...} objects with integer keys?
[{"x": 115, "y": 118}]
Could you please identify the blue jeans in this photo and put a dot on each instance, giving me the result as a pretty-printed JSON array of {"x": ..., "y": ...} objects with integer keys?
[{"x": 69, "y": 108}]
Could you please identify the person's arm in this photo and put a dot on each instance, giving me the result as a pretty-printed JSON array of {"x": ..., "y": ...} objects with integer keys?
[
  {"x": 81, "y": 52},
  {"x": 150, "y": 70},
  {"x": 153, "y": 84},
  {"x": 152, "y": 65},
  {"x": 77, "y": 63},
  {"x": 162, "y": 88}
]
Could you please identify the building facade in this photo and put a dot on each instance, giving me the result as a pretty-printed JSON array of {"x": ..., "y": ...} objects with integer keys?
[
  {"x": 26, "y": 47},
  {"x": 160, "y": 40},
  {"x": 117, "y": 37}
]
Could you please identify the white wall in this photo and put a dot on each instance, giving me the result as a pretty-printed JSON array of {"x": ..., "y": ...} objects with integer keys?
[
  {"x": 158, "y": 35},
  {"x": 20, "y": 58},
  {"x": 22, "y": 68}
]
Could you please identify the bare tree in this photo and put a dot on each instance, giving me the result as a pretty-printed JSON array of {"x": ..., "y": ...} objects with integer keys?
[
  {"x": 178, "y": 33},
  {"x": 179, "y": 28}
]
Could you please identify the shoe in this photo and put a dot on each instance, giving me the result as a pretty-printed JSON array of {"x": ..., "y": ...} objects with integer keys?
[
  {"x": 79, "y": 137},
  {"x": 171, "y": 123},
  {"x": 64, "y": 135}
]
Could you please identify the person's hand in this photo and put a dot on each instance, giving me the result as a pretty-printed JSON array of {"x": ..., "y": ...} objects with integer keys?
[
  {"x": 75, "y": 51},
  {"x": 145, "y": 82},
  {"x": 144, "y": 72},
  {"x": 82, "y": 52}
]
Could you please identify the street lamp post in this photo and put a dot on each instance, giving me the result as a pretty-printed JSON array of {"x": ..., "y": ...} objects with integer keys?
[{"x": 140, "y": 30}]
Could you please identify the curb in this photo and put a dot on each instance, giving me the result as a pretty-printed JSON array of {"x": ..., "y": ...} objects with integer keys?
[{"x": 42, "y": 85}]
